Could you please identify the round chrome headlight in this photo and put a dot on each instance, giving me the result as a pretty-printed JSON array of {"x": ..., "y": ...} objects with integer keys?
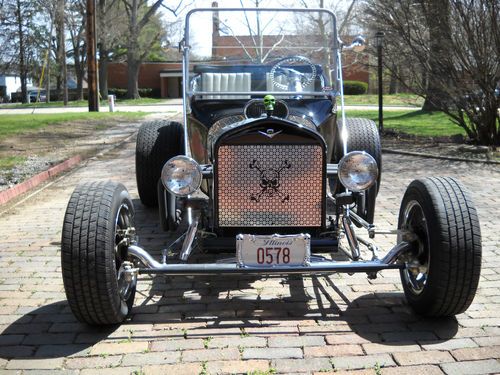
[
  {"x": 358, "y": 170},
  {"x": 181, "y": 175}
]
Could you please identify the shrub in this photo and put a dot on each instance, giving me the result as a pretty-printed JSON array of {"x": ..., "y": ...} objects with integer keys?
[
  {"x": 143, "y": 93},
  {"x": 118, "y": 93},
  {"x": 355, "y": 87}
]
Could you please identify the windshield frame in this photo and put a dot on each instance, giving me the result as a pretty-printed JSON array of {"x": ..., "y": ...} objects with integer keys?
[{"x": 185, "y": 47}]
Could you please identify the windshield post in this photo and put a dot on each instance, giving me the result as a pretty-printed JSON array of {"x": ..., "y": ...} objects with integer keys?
[{"x": 185, "y": 83}]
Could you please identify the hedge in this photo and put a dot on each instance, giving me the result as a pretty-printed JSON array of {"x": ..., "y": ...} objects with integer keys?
[
  {"x": 355, "y": 88},
  {"x": 143, "y": 93}
]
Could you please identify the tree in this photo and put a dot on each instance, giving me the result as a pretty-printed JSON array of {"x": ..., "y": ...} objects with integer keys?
[
  {"x": 139, "y": 14},
  {"x": 46, "y": 41},
  {"x": 253, "y": 44},
  {"x": 18, "y": 39},
  {"x": 112, "y": 27},
  {"x": 452, "y": 52},
  {"x": 62, "y": 79},
  {"x": 76, "y": 25},
  {"x": 437, "y": 21}
]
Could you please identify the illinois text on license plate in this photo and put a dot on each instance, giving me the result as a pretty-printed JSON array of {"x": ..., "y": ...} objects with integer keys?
[{"x": 273, "y": 250}]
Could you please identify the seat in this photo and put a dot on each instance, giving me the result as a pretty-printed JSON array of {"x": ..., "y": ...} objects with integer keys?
[{"x": 226, "y": 82}]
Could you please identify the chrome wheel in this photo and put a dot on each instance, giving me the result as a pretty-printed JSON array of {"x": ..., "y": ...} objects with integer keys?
[
  {"x": 416, "y": 273},
  {"x": 124, "y": 232}
]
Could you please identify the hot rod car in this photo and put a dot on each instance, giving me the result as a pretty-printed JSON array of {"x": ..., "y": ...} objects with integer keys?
[{"x": 266, "y": 167}]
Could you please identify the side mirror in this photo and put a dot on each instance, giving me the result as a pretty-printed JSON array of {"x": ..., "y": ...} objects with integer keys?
[{"x": 357, "y": 45}]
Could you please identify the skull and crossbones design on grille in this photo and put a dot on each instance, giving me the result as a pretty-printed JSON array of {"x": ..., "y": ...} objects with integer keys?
[{"x": 270, "y": 181}]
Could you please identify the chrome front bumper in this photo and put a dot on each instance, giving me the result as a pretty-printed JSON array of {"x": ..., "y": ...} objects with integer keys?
[{"x": 317, "y": 265}]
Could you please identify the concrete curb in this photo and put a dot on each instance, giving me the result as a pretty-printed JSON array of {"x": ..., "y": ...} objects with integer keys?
[
  {"x": 429, "y": 156},
  {"x": 23, "y": 187}
]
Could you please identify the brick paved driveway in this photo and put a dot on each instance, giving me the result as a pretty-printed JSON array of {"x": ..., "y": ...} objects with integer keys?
[{"x": 240, "y": 325}]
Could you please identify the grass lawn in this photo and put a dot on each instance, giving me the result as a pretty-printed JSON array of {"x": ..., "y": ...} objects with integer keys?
[
  {"x": 85, "y": 103},
  {"x": 428, "y": 124},
  {"x": 16, "y": 124},
  {"x": 397, "y": 99},
  {"x": 11, "y": 161}
]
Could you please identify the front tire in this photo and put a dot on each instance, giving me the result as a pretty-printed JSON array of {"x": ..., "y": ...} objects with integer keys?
[
  {"x": 443, "y": 270},
  {"x": 362, "y": 136},
  {"x": 157, "y": 142},
  {"x": 92, "y": 253}
]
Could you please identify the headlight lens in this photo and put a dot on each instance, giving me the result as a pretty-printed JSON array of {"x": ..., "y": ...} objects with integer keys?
[
  {"x": 181, "y": 175},
  {"x": 358, "y": 170}
]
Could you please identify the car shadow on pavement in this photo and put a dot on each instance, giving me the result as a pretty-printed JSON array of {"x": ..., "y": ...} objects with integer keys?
[
  {"x": 49, "y": 331},
  {"x": 390, "y": 321},
  {"x": 222, "y": 306},
  {"x": 175, "y": 308}
]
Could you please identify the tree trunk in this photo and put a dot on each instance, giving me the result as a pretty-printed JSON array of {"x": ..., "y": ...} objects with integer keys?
[
  {"x": 133, "y": 77},
  {"x": 438, "y": 22},
  {"x": 133, "y": 53},
  {"x": 79, "y": 85},
  {"x": 62, "y": 53},
  {"x": 22, "y": 52},
  {"x": 79, "y": 72},
  {"x": 393, "y": 84},
  {"x": 47, "y": 81},
  {"x": 103, "y": 72}
]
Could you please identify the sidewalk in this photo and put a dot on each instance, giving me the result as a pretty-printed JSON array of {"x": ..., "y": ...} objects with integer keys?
[{"x": 171, "y": 105}]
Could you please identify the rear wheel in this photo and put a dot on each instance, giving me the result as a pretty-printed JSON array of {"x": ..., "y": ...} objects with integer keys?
[
  {"x": 157, "y": 142},
  {"x": 362, "y": 136},
  {"x": 94, "y": 258},
  {"x": 443, "y": 270}
]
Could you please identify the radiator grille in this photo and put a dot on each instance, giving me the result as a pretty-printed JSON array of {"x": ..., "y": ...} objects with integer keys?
[{"x": 269, "y": 185}]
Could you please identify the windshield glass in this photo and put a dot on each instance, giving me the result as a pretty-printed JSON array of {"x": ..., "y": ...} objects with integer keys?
[{"x": 260, "y": 51}]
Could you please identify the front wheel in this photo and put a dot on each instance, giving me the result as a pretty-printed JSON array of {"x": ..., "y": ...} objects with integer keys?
[
  {"x": 442, "y": 271},
  {"x": 97, "y": 224}
]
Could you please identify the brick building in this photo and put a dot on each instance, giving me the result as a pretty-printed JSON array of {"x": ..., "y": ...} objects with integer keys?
[{"x": 163, "y": 76}]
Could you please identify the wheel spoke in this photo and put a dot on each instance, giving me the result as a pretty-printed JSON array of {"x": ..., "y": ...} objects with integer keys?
[
  {"x": 416, "y": 273},
  {"x": 122, "y": 225}
]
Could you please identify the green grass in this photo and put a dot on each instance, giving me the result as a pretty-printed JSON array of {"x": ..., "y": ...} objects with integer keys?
[
  {"x": 85, "y": 103},
  {"x": 427, "y": 124},
  {"x": 9, "y": 162},
  {"x": 16, "y": 124},
  {"x": 141, "y": 101},
  {"x": 397, "y": 99}
]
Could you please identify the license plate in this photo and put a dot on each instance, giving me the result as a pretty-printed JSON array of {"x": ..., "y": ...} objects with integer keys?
[{"x": 273, "y": 250}]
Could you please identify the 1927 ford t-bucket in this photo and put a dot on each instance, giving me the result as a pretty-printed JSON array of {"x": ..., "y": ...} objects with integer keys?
[{"x": 268, "y": 169}]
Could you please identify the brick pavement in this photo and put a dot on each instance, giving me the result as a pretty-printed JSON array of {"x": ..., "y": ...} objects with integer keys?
[{"x": 214, "y": 325}]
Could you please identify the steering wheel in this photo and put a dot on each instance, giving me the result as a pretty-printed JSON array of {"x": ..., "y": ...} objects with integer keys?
[{"x": 296, "y": 80}]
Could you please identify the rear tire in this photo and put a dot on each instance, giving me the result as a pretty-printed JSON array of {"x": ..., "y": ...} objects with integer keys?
[
  {"x": 91, "y": 255},
  {"x": 363, "y": 136},
  {"x": 444, "y": 271},
  {"x": 157, "y": 142}
]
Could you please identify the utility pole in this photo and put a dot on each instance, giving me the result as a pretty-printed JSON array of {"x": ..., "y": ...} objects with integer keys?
[{"x": 93, "y": 91}]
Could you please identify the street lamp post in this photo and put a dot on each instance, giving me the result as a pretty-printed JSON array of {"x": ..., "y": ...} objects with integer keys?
[{"x": 379, "y": 41}]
